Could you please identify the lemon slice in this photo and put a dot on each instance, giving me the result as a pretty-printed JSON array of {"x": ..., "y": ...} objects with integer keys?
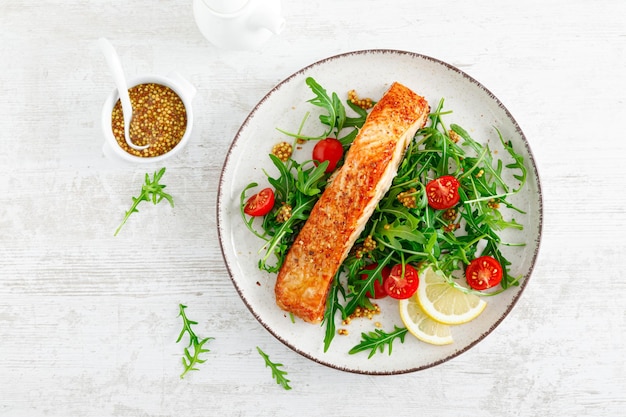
[
  {"x": 421, "y": 326},
  {"x": 444, "y": 303}
]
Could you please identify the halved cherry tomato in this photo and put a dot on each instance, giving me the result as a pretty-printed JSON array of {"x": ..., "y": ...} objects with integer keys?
[
  {"x": 379, "y": 289},
  {"x": 400, "y": 287},
  {"x": 443, "y": 192},
  {"x": 330, "y": 150},
  {"x": 483, "y": 272},
  {"x": 260, "y": 204}
]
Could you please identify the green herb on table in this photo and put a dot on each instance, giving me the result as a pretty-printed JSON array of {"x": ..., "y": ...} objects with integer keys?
[
  {"x": 190, "y": 360},
  {"x": 151, "y": 190},
  {"x": 277, "y": 374}
]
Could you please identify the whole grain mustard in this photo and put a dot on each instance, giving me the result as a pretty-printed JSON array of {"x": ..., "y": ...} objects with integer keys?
[{"x": 159, "y": 119}]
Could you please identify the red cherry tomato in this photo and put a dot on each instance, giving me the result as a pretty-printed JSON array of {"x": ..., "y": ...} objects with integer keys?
[
  {"x": 379, "y": 289},
  {"x": 330, "y": 150},
  {"x": 260, "y": 204},
  {"x": 400, "y": 287},
  {"x": 443, "y": 192},
  {"x": 484, "y": 272}
]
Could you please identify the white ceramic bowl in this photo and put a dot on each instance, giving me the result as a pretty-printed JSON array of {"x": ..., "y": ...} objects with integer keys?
[{"x": 185, "y": 90}]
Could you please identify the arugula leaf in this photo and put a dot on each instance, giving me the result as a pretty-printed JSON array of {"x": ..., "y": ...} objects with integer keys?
[
  {"x": 356, "y": 121},
  {"x": 277, "y": 373},
  {"x": 358, "y": 296},
  {"x": 242, "y": 204},
  {"x": 151, "y": 190},
  {"x": 348, "y": 138},
  {"x": 332, "y": 306},
  {"x": 191, "y": 360},
  {"x": 284, "y": 185},
  {"x": 378, "y": 339},
  {"x": 336, "y": 111},
  {"x": 309, "y": 182},
  {"x": 517, "y": 164},
  {"x": 486, "y": 156},
  {"x": 396, "y": 233},
  {"x": 279, "y": 242}
]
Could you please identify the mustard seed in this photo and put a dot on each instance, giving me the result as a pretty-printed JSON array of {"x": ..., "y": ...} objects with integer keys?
[
  {"x": 283, "y": 151},
  {"x": 407, "y": 198},
  {"x": 364, "y": 103}
]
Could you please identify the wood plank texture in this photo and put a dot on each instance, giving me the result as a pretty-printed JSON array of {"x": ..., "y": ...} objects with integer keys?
[{"x": 88, "y": 321}]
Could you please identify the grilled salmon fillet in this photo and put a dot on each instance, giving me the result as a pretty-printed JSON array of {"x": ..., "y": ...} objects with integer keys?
[{"x": 340, "y": 215}]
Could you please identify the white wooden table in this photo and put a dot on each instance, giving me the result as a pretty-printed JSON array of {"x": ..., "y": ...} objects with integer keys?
[{"x": 88, "y": 321}]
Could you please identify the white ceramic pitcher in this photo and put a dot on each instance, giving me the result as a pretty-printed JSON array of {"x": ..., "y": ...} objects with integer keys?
[{"x": 238, "y": 24}]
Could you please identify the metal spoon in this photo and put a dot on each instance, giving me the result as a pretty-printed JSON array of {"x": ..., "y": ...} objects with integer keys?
[{"x": 115, "y": 65}]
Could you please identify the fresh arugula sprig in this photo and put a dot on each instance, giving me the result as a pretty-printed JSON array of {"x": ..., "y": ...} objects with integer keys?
[
  {"x": 332, "y": 307},
  {"x": 335, "y": 117},
  {"x": 360, "y": 287},
  {"x": 278, "y": 374},
  {"x": 191, "y": 360},
  {"x": 357, "y": 121},
  {"x": 150, "y": 190},
  {"x": 377, "y": 340},
  {"x": 336, "y": 111}
]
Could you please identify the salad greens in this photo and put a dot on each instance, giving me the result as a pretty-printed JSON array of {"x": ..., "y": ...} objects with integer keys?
[
  {"x": 191, "y": 360},
  {"x": 151, "y": 190},
  {"x": 403, "y": 227},
  {"x": 298, "y": 187}
]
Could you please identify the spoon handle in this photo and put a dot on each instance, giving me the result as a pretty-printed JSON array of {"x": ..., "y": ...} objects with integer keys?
[{"x": 115, "y": 65}]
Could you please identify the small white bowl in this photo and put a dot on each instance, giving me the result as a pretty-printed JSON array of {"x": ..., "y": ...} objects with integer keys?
[{"x": 185, "y": 90}]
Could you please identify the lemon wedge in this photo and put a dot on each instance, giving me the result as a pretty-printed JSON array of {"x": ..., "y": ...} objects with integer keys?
[
  {"x": 421, "y": 326},
  {"x": 444, "y": 303}
]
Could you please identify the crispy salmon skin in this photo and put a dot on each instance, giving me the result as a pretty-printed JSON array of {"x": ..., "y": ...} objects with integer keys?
[{"x": 340, "y": 215}]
